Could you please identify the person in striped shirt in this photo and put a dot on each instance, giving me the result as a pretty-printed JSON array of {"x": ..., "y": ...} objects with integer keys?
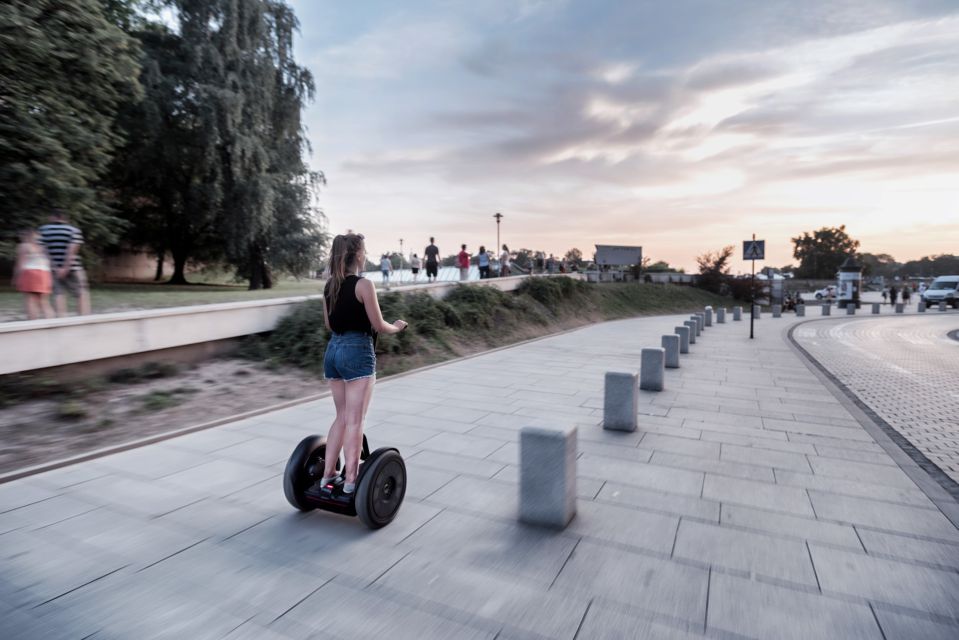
[{"x": 63, "y": 241}]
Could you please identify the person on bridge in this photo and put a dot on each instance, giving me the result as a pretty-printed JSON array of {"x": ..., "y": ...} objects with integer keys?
[
  {"x": 432, "y": 255},
  {"x": 463, "y": 261},
  {"x": 352, "y": 313}
]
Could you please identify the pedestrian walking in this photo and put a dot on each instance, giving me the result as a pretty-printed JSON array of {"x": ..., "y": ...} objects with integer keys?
[
  {"x": 892, "y": 294},
  {"x": 62, "y": 242},
  {"x": 32, "y": 275},
  {"x": 906, "y": 294},
  {"x": 432, "y": 255},
  {"x": 482, "y": 260},
  {"x": 885, "y": 296},
  {"x": 352, "y": 313},
  {"x": 415, "y": 265},
  {"x": 463, "y": 261},
  {"x": 551, "y": 264},
  {"x": 386, "y": 268},
  {"x": 504, "y": 264}
]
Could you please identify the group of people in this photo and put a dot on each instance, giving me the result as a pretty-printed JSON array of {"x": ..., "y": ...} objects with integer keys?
[
  {"x": 431, "y": 262},
  {"x": 892, "y": 294},
  {"x": 48, "y": 263}
]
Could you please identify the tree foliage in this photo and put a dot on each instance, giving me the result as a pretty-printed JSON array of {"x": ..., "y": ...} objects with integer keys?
[
  {"x": 821, "y": 253},
  {"x": 65, "y": 69},
  {"x": 714, "y": 268}
]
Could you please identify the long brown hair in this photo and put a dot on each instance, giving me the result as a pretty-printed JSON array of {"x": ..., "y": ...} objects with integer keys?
[{"x": 342, "y": 257}]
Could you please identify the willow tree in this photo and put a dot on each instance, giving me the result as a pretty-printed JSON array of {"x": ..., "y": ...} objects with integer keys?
[{"x": 65, "y": 69}]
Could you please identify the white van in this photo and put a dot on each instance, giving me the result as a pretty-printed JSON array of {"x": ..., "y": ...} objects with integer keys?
[{"x": 942, "y": 288}]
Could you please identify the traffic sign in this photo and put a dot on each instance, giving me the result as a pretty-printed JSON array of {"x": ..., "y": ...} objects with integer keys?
[{"x": 754, "y": 249}]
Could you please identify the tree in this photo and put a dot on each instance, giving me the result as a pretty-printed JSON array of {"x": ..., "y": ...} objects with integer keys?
[
  {"x": 64, "y": 71},
  {"x": 574, "y": 257},
  {"x": 714, "y": 268},
  {"x": 882, "y": 264},
  {"x": 660, "y": 266},
  {"x": 821, "y": 253}
]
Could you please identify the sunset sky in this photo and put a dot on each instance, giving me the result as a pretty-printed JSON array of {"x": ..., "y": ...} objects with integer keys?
[{"x": 679, "y": 126}]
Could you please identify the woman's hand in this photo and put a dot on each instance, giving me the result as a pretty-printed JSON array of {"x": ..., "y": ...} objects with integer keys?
[{"x": 401, "y": 324}]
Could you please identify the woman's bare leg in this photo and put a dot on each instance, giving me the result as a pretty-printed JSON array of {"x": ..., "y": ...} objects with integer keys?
[
  {"x": 33, "y": 305},
  {"x": 358, "y": 394},
  {"x": 334, "y": 440},
  {"x": 46, "y": 307}
]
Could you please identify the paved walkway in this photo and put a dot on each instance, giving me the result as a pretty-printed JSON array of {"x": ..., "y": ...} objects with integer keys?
[{"x": 751, "y": 503}]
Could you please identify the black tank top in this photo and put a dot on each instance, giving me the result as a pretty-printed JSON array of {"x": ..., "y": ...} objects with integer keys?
[{"x": 349, "y": 314}]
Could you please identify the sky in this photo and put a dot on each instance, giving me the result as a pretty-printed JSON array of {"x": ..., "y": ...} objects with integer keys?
[{"x": 679, "y": 126}]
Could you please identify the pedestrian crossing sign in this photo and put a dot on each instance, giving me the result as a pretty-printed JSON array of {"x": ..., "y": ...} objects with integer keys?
[{"x": 754, "y": 249}]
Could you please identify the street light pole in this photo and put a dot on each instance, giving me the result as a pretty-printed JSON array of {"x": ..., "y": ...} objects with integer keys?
[
  {"x": 401, "y": 260},
  {"x": 498, "y": 216}
]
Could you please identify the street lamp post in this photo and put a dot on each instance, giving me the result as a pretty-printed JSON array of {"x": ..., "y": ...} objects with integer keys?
[
  {"x": 401, "y": 260},
  {"x": 498, "y": 216}
]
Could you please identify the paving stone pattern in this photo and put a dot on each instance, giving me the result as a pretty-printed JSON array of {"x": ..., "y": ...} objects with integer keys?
[
  {"x": 748, "y": 504},
  {"x": 905, "y": 368}
]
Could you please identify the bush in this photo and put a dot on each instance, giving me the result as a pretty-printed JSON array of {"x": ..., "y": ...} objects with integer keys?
[{"x": 300, "y": 338}]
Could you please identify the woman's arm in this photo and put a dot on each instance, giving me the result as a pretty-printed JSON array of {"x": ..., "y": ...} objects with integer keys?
[
  {"x": 366, "y": 293},
  {"x": 326, "y": 315}
]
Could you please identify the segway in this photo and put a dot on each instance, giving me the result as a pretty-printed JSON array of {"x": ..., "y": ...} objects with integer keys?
[{"x": 380, "y": 483}]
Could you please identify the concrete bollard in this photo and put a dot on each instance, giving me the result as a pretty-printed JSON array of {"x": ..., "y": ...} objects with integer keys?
[
  {"x": 900, "y": 307},
  {"x": 757, "y": 312},
  {"x": 921, "y": 307},
  {"x": 547, "y": 476},
  {"x": 942, "y": 306},
  {"x": 671, "y": 346},
  {"x": 697, "y": 327},
  {"x": 777, "y": 311},
  {"x": 652, "y": 375},
  {"x": 691, "y": 325},
  {"x": 737, "y": 314},
  {"x": 800, "y": 311},
  {"x": 709, "y": 317},
  {"x": 621, "y": 401},
  {"x": 826, "y": 309},
  {"x": 721, "y": 315},
  {"x": 701, "y": 319},
  {"x": 683, "y": 334},
  {"x": 850, "y": 309},
  {"x": 875, "y": 308}
]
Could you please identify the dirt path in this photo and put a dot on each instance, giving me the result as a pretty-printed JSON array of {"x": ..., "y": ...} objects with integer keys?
[{"x": 61, "y": 426}]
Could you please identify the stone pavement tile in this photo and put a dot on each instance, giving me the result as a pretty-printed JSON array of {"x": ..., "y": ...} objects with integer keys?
[
  {"x": 44, "y": 513},
  {"x": 586, "y": 488},
  {"x": 760, "y": 610},
  {"x": 765, "y": 457},
  {"x": 809, "y": 428},
  {"x": 351, "y": 613},
  {"x": 218, "y": 519},
  {"x": 254, "y": 630},
  {"x": 855, "y": 455},
  {"x": 719, "y": 467},
  {"x": 755, "y": 432},
  {"x": 755, "y": 553},
  {"x": 773, "y": 497},
  {"x": 898, "y": 626},
  {"x": 830, "y": 484},
  {"x": 651, "y": 584},
  {"x": 685, "y": 446},
  {"x": 421, "y": 481},
  {"x": 17, "y": 624},
  {"x": 487, "y": 497},
  {"x": 261, "y": 452},
  {"x": 491, "y": 599},
  {"x": 613, "y": 622},
  {"x": 790, "y": 526},
  {"x": 402, "y": 419},
  {"x": 759, "y": 441},
  {"x": 66, "y": 477},
  {"x": 215, "y": 477},
  {"x": 908, "y": 548},
  {"x": 861, "y": 471},
  {"x": 561, "y": 416},
  {"x": 896, "y": 518},
  {"x": 210, "y": 440},
  {"x": 385, "y": 434},
  {"x": 14, "y": 495},
  {"x": 858, "y": 445},
  {"x": 897, "y": 583},
  {"x": 462, "y": 444},
  {"x": 529, "y": 552},
  {"x": 642, "y": 475},
  {"x": 454, "y": 463},
  {"x": 615, "y": 438},
  {"x": 517, "y": 422},
  {"x": 150, "y": 463},
  {"x": 624, "y": 525},
  {"x": 508, "y": 453},
  {"x": 713, "y": 418},
  {"x": 614, "y": 451},
  {"x": 660, "y": 501}
]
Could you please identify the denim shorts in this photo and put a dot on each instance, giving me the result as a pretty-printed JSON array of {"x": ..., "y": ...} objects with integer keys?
[{"x": 349, "y": 356}]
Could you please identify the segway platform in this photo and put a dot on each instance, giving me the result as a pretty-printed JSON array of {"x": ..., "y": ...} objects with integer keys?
[{"x": 380, "y": 483}]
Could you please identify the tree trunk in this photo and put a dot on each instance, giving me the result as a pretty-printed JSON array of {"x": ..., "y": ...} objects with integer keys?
[
  {"x": 179, "y": 264},
  {"x": 260, "y": 275},
  {"x": 161, "y": 257}
]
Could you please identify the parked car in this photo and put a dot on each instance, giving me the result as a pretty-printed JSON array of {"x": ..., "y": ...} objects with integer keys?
[
  {"x": 943, "y": 288},
  {"x": 826, "y": 292}
]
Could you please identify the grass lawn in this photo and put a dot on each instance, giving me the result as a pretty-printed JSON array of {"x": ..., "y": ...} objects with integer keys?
[{"x": 127, "y": 297}]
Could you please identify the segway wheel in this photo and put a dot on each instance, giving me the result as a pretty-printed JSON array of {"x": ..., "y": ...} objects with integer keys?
[
  {"x": 381, "y": 489},
  {"x": 303, "y": 469}
]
